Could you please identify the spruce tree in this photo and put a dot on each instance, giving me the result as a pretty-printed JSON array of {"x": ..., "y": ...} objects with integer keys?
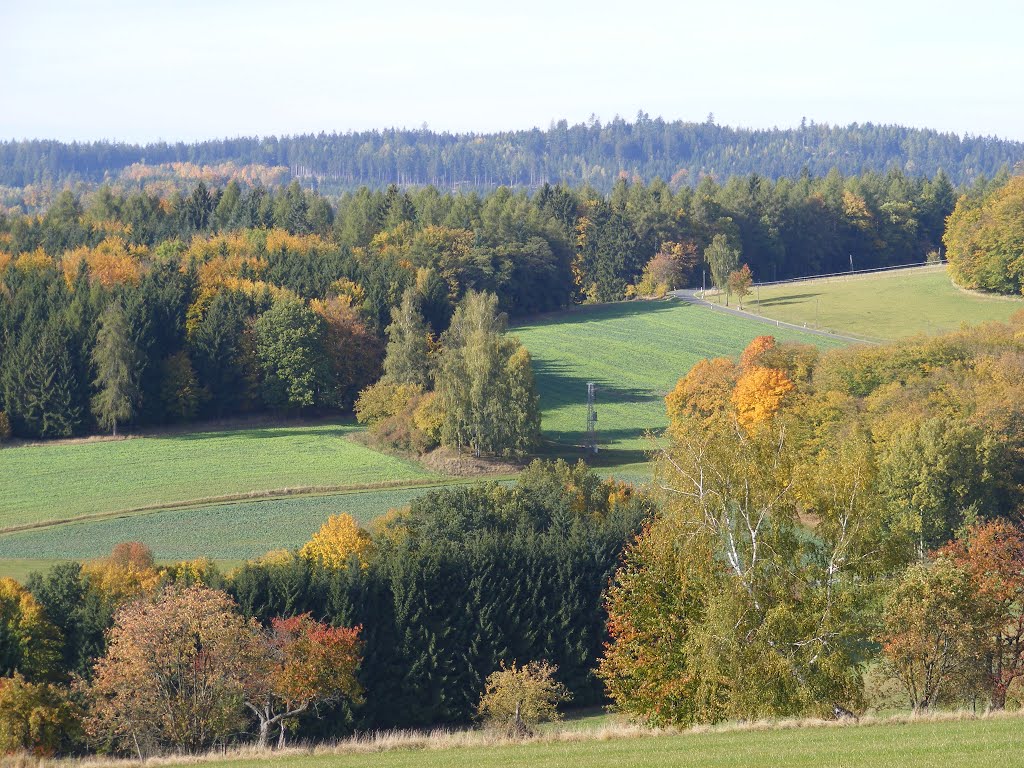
[{"x": 115, "y": 359}]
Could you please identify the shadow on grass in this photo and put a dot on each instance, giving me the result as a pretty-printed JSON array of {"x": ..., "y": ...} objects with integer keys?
[
  {"x": 600, "y": 312},
  {"x": 606, "y": 457},
  {"x": 560, "y": 387},
  {"x": 789, "y": 298},
  {"x": 267, "y": 433}
]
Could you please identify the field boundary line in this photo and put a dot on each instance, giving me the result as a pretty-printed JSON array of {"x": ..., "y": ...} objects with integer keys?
[
  {"x": 857, "y": 273},
  {"x": 690, "y": 297},
  {"x": 237, "y": 498}
]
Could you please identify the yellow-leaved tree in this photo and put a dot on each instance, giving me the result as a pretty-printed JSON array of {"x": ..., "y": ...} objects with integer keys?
[{"x": 337, "y": 541}]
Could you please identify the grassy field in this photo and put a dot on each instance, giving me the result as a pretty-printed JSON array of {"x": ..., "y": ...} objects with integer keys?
[
  {"x": 233, "y": 531},
  {"x": 887, "y": 305},
  {"x": 636, "y": 352},
  {"x": 62, "y": 481},
  {"x": 953, "y": 744}
]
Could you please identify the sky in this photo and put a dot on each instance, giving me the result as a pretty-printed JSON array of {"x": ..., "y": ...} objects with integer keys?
[{"x": 142, "y": 70}]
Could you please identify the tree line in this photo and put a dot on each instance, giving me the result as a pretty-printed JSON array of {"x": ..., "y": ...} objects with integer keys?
[
  {"x": 835, "y": 531},
  {"x": 435, "y": 598},
  {"x": 593, "y": 153},
  {"x": 243, "y": 299}
]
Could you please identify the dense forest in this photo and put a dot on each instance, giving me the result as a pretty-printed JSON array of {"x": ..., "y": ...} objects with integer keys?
[
  {"x": 193, "y": 294},
  {"x": 592, "y": 153}
]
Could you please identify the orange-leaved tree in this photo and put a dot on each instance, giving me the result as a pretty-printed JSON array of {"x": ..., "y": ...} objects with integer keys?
[
  {"x": 755, "y": 350},
  {"x": 174, "y": 673},
  {"x": 759, "y": 394},
  {"x": 307, "y": 663},
  {"x": 739, "y": 282},
  {"x": 704, "y": 392}
]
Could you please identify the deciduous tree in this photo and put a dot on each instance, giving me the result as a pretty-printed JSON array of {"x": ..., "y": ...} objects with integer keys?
[
  {"x": 29, "y": 643},
  {"x": 306, "y": 663},
  {"x": 936, "y": 629},
  {"x": 338, "y": 541},
  {"x": 39, "y": 718},
  {"x": 739, "y": 282},
  {"x": 992, "y": 554},
  {"x": 516, "y": 699},
  {"x": 174, "y": 674},
  {"x": 723, "y": 260}
]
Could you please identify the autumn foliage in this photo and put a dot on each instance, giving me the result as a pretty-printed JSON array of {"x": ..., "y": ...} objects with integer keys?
[
  {"x": 759, "y": 395},
  {"x": 307, "y": 663},
  {"x": 183, "y": 669},
  {"x": 338, "y": 540}
]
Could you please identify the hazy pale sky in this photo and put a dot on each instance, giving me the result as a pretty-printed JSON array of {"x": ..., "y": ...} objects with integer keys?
[{"x": 190, "y": 69}]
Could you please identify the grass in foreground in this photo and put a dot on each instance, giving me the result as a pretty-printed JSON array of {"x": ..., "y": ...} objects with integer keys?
[
  {"x": 949, "y": 742},
  {"x": 636, "y": 352},
  {"x": 66, "y": 480},
  {"x": 888, "y": 305}
]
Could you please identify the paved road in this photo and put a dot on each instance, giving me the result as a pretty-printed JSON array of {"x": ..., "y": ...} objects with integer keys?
[{"x": 693, "y": 297}]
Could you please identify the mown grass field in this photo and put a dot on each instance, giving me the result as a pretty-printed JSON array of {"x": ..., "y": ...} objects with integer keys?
[
  {"x": 923, "y": 744},
  {"x": 888, "y": 305},
  {"x": 66, "y": 480},
  {"x": 636, "y": 352}
]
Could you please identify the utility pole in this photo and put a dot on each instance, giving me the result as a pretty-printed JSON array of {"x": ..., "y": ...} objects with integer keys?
[
  {"x": 703, "y": 282},
  {"x": 591, "y": 443}
]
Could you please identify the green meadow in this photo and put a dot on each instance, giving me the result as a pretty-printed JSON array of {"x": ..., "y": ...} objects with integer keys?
[
  {"x": 635, "y": 352},
  {"x": 887, "y": 305},
  {"x": 59, "y": 481},
  {"x": 921, "y": 744}
]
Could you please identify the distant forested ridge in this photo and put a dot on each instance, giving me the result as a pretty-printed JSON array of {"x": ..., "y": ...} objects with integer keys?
[{"x": 592, "y": 153}]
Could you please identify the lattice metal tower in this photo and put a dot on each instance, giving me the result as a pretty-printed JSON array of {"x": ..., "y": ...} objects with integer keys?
[{"x": 591, "y": 444}]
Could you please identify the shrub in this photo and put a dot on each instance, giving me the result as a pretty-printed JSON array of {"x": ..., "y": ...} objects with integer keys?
[
  {"x": 517, "y": 698},
  {"x": 5, "y": 426},
  {"x": 37, "y": 717},
  {"x": 384, "y": 400}
]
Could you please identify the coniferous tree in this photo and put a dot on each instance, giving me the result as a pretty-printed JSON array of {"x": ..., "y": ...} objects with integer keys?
[{"x": 115, "y": 359}]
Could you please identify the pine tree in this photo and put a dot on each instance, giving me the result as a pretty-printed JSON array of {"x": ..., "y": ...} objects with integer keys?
[{"x": 115, "y": 359}]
